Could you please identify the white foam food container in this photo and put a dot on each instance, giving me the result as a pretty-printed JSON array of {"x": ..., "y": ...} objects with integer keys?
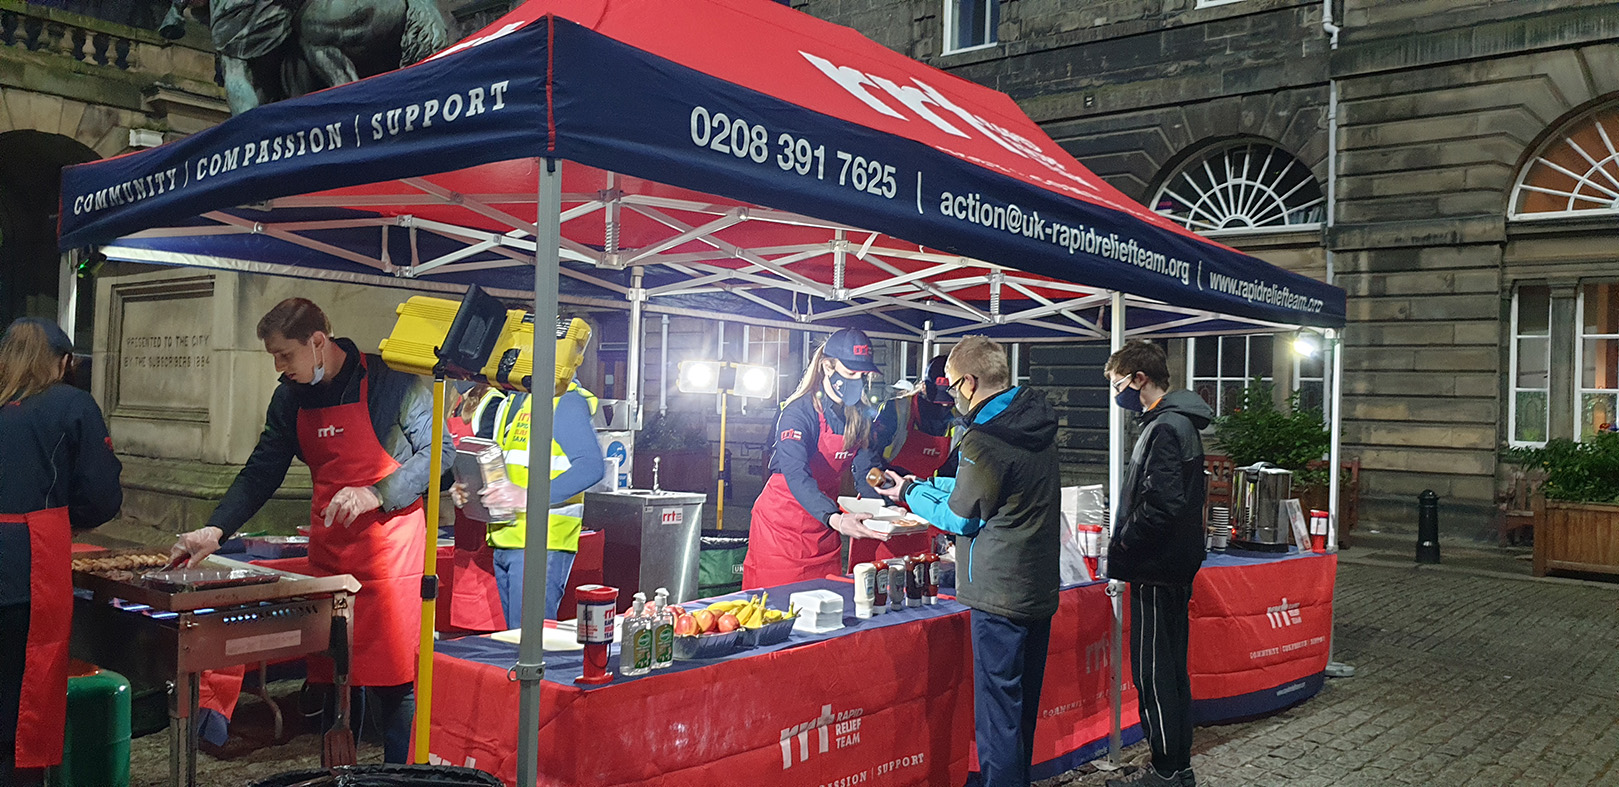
[{"x": 819, "y": 611}]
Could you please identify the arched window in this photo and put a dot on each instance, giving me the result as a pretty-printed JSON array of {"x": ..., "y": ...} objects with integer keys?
[
  {"x": 1244, "y": 186},
  {"x": 1575, "y": 172}
]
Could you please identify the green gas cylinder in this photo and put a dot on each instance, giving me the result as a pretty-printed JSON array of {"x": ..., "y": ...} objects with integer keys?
[{"x": 96, "y": 750}]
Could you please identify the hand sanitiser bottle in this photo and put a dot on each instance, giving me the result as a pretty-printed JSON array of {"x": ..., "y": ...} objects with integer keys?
[
  {"x": 635, "y": 655},
  {"x": 663, "y": 631}
]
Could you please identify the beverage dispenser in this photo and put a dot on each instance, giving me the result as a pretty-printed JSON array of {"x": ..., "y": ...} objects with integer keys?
[{"x": 1257, "y": 521}]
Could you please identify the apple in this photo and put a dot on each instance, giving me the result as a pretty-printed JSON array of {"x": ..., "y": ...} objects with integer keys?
[
  {"x": 705, "y": 620},
  {"x": 676, "y": 610},
  {"x": 686, "y": 626},
  {"x": 728, "y": 623}
]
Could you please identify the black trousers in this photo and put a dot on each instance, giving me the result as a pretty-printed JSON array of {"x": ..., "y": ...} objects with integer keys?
[
  {"x": 1159, "y": 624},
  {"x": 13, "y": 651},
  {"x": 1009, "y": 668}
]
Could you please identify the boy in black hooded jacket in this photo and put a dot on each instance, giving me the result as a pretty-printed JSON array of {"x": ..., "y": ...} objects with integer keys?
[{"x": 1157, "y": 547}]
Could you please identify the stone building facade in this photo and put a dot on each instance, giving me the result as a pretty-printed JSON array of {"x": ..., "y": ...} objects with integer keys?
[
  {"x": 1464, "y": 156},
  {"x": 82, "y": 80}
]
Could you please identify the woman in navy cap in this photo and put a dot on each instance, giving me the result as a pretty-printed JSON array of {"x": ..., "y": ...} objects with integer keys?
[
  {"x": 57, "y": 474},
  {"x": 914, "y": 434},
  {"x": 824, "y": 429}
]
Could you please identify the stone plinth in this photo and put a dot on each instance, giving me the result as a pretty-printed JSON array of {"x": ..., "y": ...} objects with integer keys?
[{"x": 184, "y": 382}]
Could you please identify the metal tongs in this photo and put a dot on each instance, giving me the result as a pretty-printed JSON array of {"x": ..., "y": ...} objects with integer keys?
[{"x": 177, "y": 561}]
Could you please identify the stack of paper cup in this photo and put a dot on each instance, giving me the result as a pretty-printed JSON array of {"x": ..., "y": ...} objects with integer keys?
[{"x": 1219, "y": 527}]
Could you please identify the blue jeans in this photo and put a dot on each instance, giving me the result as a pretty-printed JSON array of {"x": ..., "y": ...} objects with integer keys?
[
  {"x": 1009, "y": 666},
  {"x": 509, "y": 580}
]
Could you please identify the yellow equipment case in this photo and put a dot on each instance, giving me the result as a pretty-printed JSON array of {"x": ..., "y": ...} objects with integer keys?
[{"x": 481, "y": 340}]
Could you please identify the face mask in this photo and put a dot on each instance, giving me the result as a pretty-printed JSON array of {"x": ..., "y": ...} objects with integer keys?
[
  {"x": 1129, "y": 399},
  {"x": 850, "y": 390},
  {"x": 963, "y": 403},
  {"x": 320, "y": 367}
]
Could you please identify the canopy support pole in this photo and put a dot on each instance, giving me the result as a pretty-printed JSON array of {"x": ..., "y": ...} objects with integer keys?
[
  {"x": 530, "y": 667},
  {"x": 663, "y": 365},
  {"x": 927, "y": 343},
  {"x": 67, "y": 294},
  {"x": 1334, "y": 345},
  {"x": 632, "y": 375},
  {"x": 1115, "y": 589}
]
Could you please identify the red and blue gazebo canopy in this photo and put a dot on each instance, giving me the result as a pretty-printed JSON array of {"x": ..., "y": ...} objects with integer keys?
[{"x": 747, "y": 160}]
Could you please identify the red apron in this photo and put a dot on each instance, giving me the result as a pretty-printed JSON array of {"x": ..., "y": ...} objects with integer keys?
[
  {"x": 922, "y": 455},
  {"x": 474, "y": 596},
  {"x": 42, "y": 706},
  {"x": 468, "y": 589},
  {"x": 383, "y": 550},
  {"x": 785, "y": 543}
]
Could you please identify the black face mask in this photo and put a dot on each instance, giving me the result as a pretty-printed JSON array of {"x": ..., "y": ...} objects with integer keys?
[{"x": 850, "y": 391}]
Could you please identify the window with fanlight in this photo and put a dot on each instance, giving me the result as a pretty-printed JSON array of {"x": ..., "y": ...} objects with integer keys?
[
  {"x": 1242, "y": 187},
  {"x": 1575, "y": 172}
]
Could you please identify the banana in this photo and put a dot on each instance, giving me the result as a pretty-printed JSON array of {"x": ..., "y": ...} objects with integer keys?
[{"x": 722, "y": 607}]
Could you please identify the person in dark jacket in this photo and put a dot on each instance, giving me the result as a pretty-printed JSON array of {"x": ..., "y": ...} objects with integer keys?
[
  {"x": 915, "y": 435},
  {"x": 1004, "y": 507},
  {"x": 57, "y": 475},
  {"x": 365, "y": 431},
  {"x": 1157, "y": 547}
]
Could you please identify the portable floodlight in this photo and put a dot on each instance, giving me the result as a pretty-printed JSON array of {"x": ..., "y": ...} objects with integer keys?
[
  {"x": 749, "y": 381},
  {"x": 699, "y": 377}
]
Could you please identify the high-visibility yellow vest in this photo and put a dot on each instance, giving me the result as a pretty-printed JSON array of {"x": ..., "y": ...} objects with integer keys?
[{"x": 566, "y": 517}]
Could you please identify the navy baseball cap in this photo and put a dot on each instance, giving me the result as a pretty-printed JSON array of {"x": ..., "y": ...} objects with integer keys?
[
  {"x": 852, "y": 348},
  {"x": 54, "y": 335},
  {"x": 937, "y": 383}
]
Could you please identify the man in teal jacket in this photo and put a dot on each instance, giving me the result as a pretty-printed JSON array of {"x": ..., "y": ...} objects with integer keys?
[{"x": 1003, "y": 506}]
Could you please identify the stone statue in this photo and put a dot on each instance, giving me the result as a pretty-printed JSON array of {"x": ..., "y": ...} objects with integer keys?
[{"x": 275, "y": 49}]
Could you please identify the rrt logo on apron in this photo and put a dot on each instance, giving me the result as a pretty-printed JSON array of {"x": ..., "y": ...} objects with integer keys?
[{"x": 329, "y": 431}]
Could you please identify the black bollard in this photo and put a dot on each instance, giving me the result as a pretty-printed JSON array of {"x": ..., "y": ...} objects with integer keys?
[{"x": 1428, "y": 527}]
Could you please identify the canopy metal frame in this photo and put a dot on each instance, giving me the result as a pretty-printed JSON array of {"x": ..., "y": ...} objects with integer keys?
[{"x": 1052, "y": 308}]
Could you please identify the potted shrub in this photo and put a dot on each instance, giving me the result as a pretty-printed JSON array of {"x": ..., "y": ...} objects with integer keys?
[
  {"x": 681, "y": 441},
  {"x": 1580, "y": 531}
]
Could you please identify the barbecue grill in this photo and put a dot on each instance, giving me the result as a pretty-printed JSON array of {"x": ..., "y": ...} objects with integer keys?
[{"x": 164, "y": 628}]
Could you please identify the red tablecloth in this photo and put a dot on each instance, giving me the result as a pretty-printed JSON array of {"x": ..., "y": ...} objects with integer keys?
[{"x": 889, "y": 705}]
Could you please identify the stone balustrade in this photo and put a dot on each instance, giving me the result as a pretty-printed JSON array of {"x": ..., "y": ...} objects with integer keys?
[{"x": 46, "y": 32}]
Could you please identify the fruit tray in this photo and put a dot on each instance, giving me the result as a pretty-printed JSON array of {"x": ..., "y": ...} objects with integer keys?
[
  {"x": 706, "y": 646},
  {"x": 768, "y": 634}
]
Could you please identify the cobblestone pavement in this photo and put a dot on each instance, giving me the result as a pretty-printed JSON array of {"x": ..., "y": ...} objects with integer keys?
[{"x": 1463, "y": 679}]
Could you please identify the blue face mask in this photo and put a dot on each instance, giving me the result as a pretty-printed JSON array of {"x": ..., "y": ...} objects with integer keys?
[
  {"x": 1129, "y": 398},
  {"x": 851, "y": 391}
]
